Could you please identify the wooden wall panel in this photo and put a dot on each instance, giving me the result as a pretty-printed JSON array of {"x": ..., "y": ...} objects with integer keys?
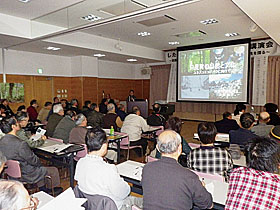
[
  {"x": 77, "y": 90},
  {"x": 146, "y": 89},
  {"x": 42, "y": 90},
  {"x": 90, "y": 89},
  {"x": 138, "y": 88}
]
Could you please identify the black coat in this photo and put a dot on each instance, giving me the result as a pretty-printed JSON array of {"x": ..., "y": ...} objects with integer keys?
[{"x": 225, "y": 125}]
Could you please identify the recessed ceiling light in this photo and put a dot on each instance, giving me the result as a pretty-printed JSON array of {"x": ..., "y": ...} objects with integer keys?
[
  {"x": 145, "y": 33},
  {"x": 53, "y": 48},
  {"x": 98, "y": 55},
  {"x": 91, "y": 17},
  {"x": 209, "y": 21},
  {"x": 24, "y": 1},
  {"x": 173, "y": 43},
  {"x": 131, "y": 60},
  {"x": 232, "y": 34}
]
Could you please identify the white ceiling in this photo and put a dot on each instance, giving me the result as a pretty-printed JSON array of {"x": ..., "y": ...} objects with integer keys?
[{"x": 188, "y": 17}]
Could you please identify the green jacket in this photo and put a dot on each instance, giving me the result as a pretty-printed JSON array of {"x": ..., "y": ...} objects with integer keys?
[{"x": 33, "y": 144}]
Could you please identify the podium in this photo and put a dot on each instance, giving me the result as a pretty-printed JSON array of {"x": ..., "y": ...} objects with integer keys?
[{"x": 142, "y": 104}]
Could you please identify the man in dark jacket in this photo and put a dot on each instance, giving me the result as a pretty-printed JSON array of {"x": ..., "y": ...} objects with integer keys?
[
  {"x": 86, "y": 108},
  {"x": 156, "y": 119},
  {"x": 95, "y": 118},
  {"x": 54, "y": 119},
  {"x": 226, "y": 124},
  {"x": 14, "y": 148},
  {"x": 64, "y": 127}
]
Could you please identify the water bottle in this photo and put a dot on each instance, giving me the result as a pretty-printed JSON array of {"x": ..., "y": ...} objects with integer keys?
[{"x": 112, "y": 131}]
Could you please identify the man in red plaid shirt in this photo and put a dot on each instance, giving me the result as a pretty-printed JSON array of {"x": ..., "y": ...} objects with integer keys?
[{"x": 256, "y": 187}]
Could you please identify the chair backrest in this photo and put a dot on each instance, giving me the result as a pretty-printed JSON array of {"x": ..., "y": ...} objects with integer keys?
[
  {"x": 124, "y": 141},
  {"x": 159, "y": 131},
  {"x": 135, "y": 208},
  {"x": 81, "y": 153},
  {"x": 55, "y": 139},
  {"x": 99, "y": 202},
  {"x": 13, "y": 169},
  {"x": 193, "y": 145},
  {"x": 210, "y": 176},
  {"x": 151, "y": 159}
]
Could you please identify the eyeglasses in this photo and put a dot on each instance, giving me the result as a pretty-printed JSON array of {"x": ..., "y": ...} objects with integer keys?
[{"x": 32, "y": 205}]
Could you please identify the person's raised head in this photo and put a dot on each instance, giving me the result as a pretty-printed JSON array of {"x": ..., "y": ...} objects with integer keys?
[
  {"x": 81, "y": 120},
  {"x": 264, "y": 117},
  {"x": 22, "y": 118},
  {"x": 21, "y": 108},
  {"x": 136, "y": 110},
  {"x": 57, "y": 108},
  {"x": 111, "y": 108},
  {"x": 74, "y": 102},
  {"x": 156, "y": 107},
  {"x": 3, "y": 160},
  {"x": 48, "y": 105},
  {"x": 33, "y": 103},
  {"x": 169, "y": 144},
  {"x": 263, "y": 154},
  {"x": 87, "y": 104},
  {"x": 121, "y": 107},
  {"x": 207, "y": 132},
  {"x": 227, "y": 115},
  {"x": 5, "y": 102},
  {"x": 131, "y": 92},
  {"x": 71, "y": 114},
  {"x": 270, "y": 107},
  {"x": 64, "y": 103},
  {"x": 55, "y": 100},
  {"x": 247, "y": 121},
  {"x": 13, "y": 196},
  {"x": 9, "y": 125},
  {"x": 94, "y": 106},
  {"x": 175, "y": 124},
  {"x": 239, "y": 108},
  {"x": 96, "y": 141}
]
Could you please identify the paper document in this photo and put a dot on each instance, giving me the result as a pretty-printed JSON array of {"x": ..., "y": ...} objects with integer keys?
[
  {"x": 56, "y": 148},
  {"x": 39, "y": 133},
  {"x": 65, "y": 200}
]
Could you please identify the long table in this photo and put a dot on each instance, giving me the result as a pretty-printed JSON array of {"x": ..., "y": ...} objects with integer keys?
[
  {"x": 116, "y": 138},
  {"x": 131, "y": 171},
  {"x": 63, "y": 158}
]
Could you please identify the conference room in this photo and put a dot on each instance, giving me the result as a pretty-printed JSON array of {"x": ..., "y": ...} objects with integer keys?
[{"x": 197, "y": 59}]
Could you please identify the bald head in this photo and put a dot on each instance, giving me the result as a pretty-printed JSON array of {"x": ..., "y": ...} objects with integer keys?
[
  {"x": 264, "y": 117},
  {"x": 168, "y": 142}
]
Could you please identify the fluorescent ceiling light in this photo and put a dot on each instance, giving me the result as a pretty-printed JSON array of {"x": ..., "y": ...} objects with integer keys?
[
  {"x": 131, "y": 60},
  {"x": 24, "y": 1},
  {"x": 98, "y": 55},
  {"x": 53, "y": 48},
  {"x": 174, "y": 43},
  {"x": 209, "y": 21},
  {"x": 232, "y": 34},
  {"x": 91, "y": 17},
  {"x": 145, "y": 33}
]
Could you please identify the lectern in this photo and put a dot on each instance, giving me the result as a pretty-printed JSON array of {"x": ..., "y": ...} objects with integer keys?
[{"x": 142, "y": 104}]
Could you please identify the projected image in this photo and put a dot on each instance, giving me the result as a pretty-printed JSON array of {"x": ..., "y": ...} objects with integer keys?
[
  {"x": 14, "y": 92},
  {"x": 195, "y": 86},
  {"x": 225, "y": 86},
  {"x": 215, "y": 73}
]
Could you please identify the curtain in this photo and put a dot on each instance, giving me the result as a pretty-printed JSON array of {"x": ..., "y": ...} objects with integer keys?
[
  {"x": 171, "y": 92},
  {"x": 273, "y": 80},
  {"x": 159, "y": 83}
]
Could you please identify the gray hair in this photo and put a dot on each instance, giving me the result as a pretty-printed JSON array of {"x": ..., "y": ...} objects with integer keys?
[
  {"x": 11, "y": 197},
  {"x": 57, "y": 108},
  {"x": 110, "y": 107},
  {"x": 79, "y": 119},
  {"x": 3, "y": 159},
  {"x": 168, "y": 142}
]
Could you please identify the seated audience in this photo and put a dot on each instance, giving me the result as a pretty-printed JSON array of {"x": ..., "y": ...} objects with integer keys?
[
  {"x": 7, "y": 110},
  {"x": 64, "y": 127},
  {"x": 32, "y": 172},
  {"x": 3, "y": 160},
  {"x": 256, "y": 186},
  {"x": 239, "y": 110},
  {"x": 95, "y": 118},
  {"x": 112, "y": 119},
  {"x": 134, "y": 124},
  {"x": 86, "y": 108},
  {"x": 22, "y": 118},
  {"x": 275, "y": 133},
  {"x": 64, "y": 104},
  {"x": 13, "y": 196},
  {"x": 226, "y": 124},
  {"x": 78, "y": 134},
  {"x": 262, "y": 129},
  {"x": 95, "y": 176},
  {"x": 131, "y": 96},
  {"x": 44, "y": 112},
  {"x": 54, "y": 119},
  {"x": 156, "y": 119},
  {"x": 75, "y": 106},
  {"x": 168, "y": 185},
  {"x": 207, "y": 158},
  {"x": 272, "y": 109},
  {"x": 121, "y": 112},
  {"x": 32, "y": 110},
  {"x": 103, "y": 106},
  {"x": 244, "y": 133}
]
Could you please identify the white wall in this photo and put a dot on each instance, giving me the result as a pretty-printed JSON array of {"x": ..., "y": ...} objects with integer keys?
[{"x": 27, "y": 63}]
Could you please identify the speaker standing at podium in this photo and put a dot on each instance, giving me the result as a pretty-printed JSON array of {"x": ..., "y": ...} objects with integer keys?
[{"x": 131, "y": 96}]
